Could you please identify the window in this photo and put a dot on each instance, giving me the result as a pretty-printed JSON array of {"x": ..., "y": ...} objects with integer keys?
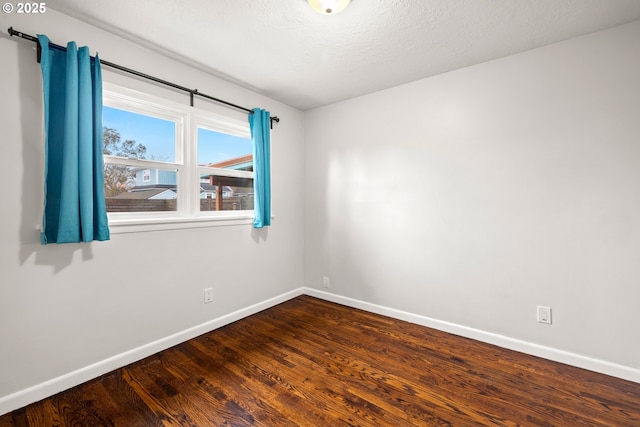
[
  {"x": 171, "y": 163},
  {"x": 225, "y": 167},
  {"x": 140, "y": 171}
]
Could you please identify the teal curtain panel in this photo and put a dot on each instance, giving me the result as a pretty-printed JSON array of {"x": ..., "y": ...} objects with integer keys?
[
  {"x": 260, "y": 122},
  {"x": 74, "y": 203}
]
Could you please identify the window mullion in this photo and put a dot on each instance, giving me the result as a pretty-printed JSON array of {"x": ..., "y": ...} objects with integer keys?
[
  {"x": 184, "y": 158},
  {"x": 190, "y": 192},
  {"x": 141, "y": 163}
]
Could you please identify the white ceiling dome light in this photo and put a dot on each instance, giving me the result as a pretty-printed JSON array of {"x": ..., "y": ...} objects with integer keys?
[{"x": 328, "y": 7}]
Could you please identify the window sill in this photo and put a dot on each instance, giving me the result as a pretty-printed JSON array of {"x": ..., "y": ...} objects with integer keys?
[{"x": 140, "y": 225}]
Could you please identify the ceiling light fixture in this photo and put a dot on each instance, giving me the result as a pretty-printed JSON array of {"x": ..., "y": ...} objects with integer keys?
[{"x": 328, "y": 7}]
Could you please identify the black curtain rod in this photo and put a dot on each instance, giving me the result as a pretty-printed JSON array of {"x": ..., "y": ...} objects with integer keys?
[{"x": 192, "y": 92}]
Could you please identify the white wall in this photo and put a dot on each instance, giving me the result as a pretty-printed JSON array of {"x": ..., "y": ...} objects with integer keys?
[
  {"x": 469, "y": 197},
  {"x": 473, "y": 196},
  {"x": 65, "y": 307}
]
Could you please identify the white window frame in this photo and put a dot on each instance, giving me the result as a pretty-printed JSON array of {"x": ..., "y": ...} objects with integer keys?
[{"x": 187, "y": 119}]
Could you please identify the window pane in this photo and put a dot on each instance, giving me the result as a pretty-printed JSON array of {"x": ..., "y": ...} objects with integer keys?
[
  {"x": 133, "y": 135},
  {"x": 135, "y": 189},
  {"x": 237, "y": 193},
  {"x": 221, "y": 150}
]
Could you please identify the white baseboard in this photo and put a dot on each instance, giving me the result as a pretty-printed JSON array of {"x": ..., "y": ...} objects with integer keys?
[
  {"x": 573, "y": 359},
  {"x": 72, "y": 379},
  {"x": 49, "y": 388}
]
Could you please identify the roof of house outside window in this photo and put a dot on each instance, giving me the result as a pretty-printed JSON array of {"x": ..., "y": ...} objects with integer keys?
[{"x": 237, "y": 163}]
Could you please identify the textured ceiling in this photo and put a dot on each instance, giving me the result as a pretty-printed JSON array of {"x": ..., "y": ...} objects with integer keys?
[{"x": 283, "y": 49}]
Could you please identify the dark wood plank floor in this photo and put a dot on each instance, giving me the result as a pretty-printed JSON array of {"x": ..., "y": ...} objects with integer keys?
[{"x": 309, "y": 362}]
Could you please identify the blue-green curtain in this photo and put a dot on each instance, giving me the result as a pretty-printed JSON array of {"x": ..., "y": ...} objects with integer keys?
[
  {"x": 260, "y": 122},
  {"x": 74, "y": 203}
]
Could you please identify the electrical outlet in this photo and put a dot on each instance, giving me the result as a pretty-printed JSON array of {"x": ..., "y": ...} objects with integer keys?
[
  {"x": 325, "y": 282},
  {"x": 544, "y": 314},
  {"x": 208, "y": 295}
]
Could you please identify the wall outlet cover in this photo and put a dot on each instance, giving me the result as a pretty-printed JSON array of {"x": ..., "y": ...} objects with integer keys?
[
  {"x": 208, "y": 295},
  {"x": 326, "y": 283},
  {"x": 544, "y": 314}
]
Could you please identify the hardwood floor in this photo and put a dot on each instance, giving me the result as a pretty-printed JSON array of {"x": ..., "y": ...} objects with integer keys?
[{"x": 308, "y": 362}]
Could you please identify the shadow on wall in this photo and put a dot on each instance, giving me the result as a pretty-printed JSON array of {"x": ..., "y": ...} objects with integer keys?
[
  {"x": 258, "y": 234},
  {"x": 31, "y": 119}
]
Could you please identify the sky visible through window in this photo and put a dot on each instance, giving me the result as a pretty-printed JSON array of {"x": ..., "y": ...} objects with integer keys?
[
  {"x": 214, "y": 147},
  {"x": 158, "y": 136}
]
